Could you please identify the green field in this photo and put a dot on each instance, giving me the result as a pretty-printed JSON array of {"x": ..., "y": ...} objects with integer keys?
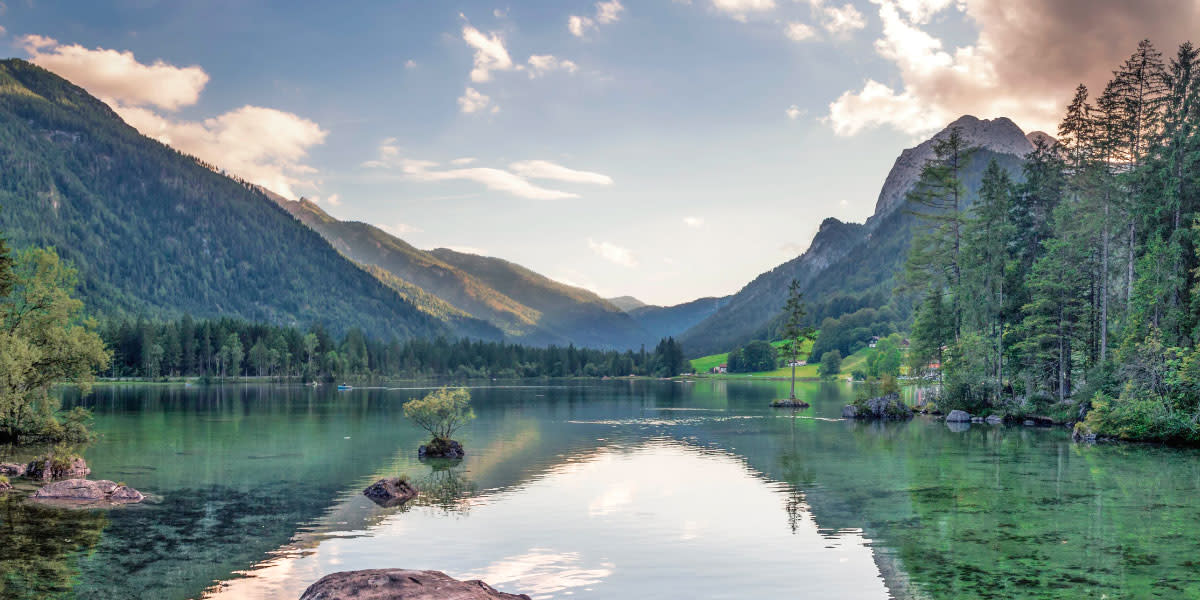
[{"x": 854, "y": 361}]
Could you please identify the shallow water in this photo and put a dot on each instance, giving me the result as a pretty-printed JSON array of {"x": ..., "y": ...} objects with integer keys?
[{"x": 603, "y": 490}]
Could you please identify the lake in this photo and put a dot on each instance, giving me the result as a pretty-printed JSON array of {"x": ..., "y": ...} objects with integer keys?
[{"x": 615, "y": 489}]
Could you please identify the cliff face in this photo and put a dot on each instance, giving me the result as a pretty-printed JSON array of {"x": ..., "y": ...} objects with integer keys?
[{"x": 999, "y": 135}]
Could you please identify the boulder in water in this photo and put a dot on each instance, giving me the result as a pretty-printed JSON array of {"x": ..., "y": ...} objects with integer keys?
[
  {"x": 394, "y": 584},
  {"x": 12, "y": 469},
  {"x": 390, "y": 491},
  {"x": 849, "y": 412},
  {"x": 439, "y": 448},
  {"x": 50, "y": 468},
  {"x": 888, "y": 406},
  {"x": 958, "y": 416},
  {"x": 994, "y": 419},
  {"x": 87, "y": 490},
  {"x": 789, "y": 403}
]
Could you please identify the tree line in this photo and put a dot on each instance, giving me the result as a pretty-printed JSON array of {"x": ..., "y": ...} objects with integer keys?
[
  {"x": 1072, "y": 290},
  {"x": 226, "y": 348}
]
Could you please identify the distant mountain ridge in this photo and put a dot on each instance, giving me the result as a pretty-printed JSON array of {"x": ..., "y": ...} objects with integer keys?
[{"x": 526, "y": 306}]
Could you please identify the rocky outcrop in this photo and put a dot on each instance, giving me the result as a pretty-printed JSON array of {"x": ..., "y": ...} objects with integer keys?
[
  {"x": 395, "y": 584},
  {"x": 12, "y": 469},
  {"x": 888, "y": 406},
  {"x": 86, "y": 490},
  {"x": 998, "y": 135},
  {"x": 790, "y": 403},
  {"x": 391, "y": 491},
  {"x": 50, "y": 468},
  {"x": 441, "y": 449},
  {"x": 958, "y": 416}
]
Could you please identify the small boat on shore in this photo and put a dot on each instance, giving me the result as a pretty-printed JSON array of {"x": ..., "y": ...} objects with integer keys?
[{"x": 344, "y": 388}]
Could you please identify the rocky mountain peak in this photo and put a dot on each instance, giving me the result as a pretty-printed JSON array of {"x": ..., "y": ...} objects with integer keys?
[{"x": 999, "y": 135}]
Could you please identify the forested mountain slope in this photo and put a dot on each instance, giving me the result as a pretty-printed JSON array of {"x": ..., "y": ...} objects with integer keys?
[
  {"x": 155, "y": 233},
  {"x": 574, "y": 314},
  {"x": 851, "y": 267},
  {"x": 526, "y": 306}
]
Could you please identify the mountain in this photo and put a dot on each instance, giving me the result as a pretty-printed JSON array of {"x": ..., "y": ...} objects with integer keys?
[
  {"x": 526, "y": 306},
  {"x": 570, "y": 313},
  {"x": 626, "y": 303},
  {"x": 668, "y": 321},
  {"x": 156, "y": 233},
  {"x": 1001, "y": 136},
  {"x": 850, "y": 267}
]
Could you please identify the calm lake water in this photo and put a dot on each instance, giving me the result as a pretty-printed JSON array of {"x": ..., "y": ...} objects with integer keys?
[{"x": 607, "y": 490}]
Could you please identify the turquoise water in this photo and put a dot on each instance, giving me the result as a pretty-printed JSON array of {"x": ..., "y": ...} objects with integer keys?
[{"x": 603, "y": 490}]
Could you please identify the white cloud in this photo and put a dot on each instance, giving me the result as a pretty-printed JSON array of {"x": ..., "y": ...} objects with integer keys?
[
  {"x": 490, "y": 54},
  {"x": 578, "y": 25},
  {"x": 334, "y": 200},
  {"x": 739, "y": 9},
  {"x": 843, "y": 20},
  {"x": 544, "y": 169},
  {"x": 613, "y": 253},
  {"x": 473, "y": 100},
  {"x": 799, "y": 32},
  {"x": 1020, "y": 64},
  {"x": 795, "y": 112},
  {"x": 410, "y": 64},
  {"x": 3, "y": 30},
  {"x": 262, "y": 145},
  {"x": 494, "y": 179},
  {"x": 115, "y": 75},
  {"x": 606, "y": 13},
  {"x": 693, "y": 222},
  {"x": 515, "y": 181},
  {"x": 540, "y": 64},
  {"x": 609, "y": 12}
]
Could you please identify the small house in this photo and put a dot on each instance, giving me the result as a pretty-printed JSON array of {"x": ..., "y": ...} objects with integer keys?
[{"x": 721, "y": 368}]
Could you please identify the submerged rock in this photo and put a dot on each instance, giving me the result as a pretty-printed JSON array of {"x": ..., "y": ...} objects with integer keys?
[
  {"x": 441, "y": 449},
  {"x": 390, "y": 491},
  {"x": 46, "y": 468},
  {"x": 86, "y": 490},
  {"x": 12, "y": 469},
  {"x": 958, "y": 426},
  {"x": 393, "y": 584},
  {"x": 888, "y": 406},
  {"x": 958, "y": 416}
]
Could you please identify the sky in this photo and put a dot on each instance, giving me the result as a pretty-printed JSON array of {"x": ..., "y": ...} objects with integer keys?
[{"x": 665, "y": 149}]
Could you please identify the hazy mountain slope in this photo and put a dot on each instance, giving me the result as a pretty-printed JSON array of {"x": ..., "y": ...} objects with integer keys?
[
  {"x": 747, "y": 312},
  {"x": 626, "y": 303},
  {"x": 370, "y": 245},
  {"x": 573, "y": 313},
  {"x": 155, "y": 233},
  {"x": 851, "y": 260},
  {"x": 671, "y": 321}
]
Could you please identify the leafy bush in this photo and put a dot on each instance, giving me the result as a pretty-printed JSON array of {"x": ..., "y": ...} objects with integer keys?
[{"x": 442, "y": 412}]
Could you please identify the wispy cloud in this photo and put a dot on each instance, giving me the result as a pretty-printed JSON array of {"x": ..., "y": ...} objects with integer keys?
[
  {"x": 606, "y": 13},
  {"x": 544, "y": 169},
  {"x": 490, "y": 53},
  {"x": 613, "y": 253},
  {"x": 693, "y": 222},
  {"x": 515, "y": 180}
]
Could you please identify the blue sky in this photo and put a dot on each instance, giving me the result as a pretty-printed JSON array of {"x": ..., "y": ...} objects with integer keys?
[{"x": 659, "y": 148}]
